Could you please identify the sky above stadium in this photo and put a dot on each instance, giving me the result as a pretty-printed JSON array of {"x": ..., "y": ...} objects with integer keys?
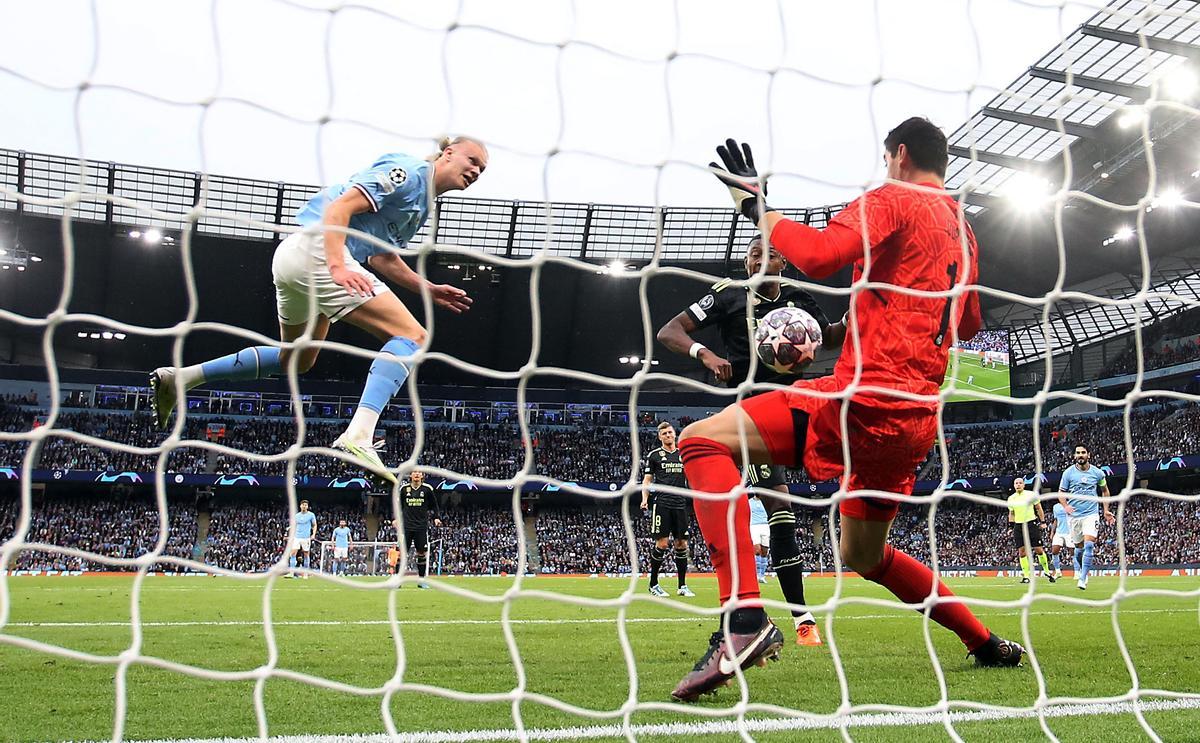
[{"x": 627, "y": 112}]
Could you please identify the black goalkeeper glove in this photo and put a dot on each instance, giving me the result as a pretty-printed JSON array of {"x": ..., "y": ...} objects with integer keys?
[{"x": 740, "y": 177}]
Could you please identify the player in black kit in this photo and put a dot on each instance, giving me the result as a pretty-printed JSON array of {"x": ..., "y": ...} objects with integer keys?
[
  {"x": 725, "y": 306},
  {"x": 670, "y": 516},
  {"x": 416, "y": 501}
]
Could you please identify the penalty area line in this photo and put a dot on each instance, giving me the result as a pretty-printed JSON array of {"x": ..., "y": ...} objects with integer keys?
[{"x": 711, "y": 727}]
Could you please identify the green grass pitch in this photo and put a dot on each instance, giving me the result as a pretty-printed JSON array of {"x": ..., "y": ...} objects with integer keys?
[
  {"x": 568, "y": 651},
  {"x": 993, "y": 381}
]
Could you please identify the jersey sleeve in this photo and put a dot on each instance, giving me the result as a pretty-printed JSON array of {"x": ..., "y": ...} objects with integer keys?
[
  {"x": 648, "y": 469},
  {"x": 388, "y": 180},
  {"x": 711, "y": 308}
]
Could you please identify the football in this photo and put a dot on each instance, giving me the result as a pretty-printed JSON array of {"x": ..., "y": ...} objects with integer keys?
[{"x": 787, "y": 339}]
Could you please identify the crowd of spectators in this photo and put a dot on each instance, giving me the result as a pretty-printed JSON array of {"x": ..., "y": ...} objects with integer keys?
[
  {"x": 574, "y": 454},
  {"x": 1156, "y": 357},
  {"x": 110, "y": 525},
  {"x": 1158, "y": 431},
  {"x": 1174, "y": 341},
  {"x": 482, "y": 540},
  {"x": 987, "y": 340}
]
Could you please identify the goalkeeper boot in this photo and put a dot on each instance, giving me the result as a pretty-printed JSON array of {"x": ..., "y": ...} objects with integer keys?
[
  {"x": 657, "y": 590},
  {"x": 685, "y": 592},
  {"x": 368, "y": 457},
  {"x": 726, "y": 653},
  {"x": 162, "y": 394},
  {"x": 998, "y": 652}
]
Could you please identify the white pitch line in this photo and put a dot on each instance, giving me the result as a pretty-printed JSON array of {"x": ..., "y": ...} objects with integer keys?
[
  {"x": 610, "y": 620},
  {"x": 714, "y": 727}
]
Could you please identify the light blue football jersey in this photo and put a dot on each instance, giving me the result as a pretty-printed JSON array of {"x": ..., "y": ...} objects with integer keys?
[
  {"x": 305, "y": 522},
  {"x": 396, "y": 186},
  {"x": 1079, "y": 482},
  {"x": 758, "y": 512},
  {"x": 1060, "y": 520},
  {"x": 341, "y": 537}
]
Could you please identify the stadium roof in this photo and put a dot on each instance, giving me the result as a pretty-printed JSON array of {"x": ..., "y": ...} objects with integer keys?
[{"x": 1073, "y": 121}]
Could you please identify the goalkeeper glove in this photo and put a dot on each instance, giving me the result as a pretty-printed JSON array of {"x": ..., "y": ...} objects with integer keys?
[{"x": 740, "y": 177}]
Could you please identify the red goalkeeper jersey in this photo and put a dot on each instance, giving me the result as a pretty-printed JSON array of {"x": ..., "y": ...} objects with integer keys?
[{"x": 916, "y": 241}]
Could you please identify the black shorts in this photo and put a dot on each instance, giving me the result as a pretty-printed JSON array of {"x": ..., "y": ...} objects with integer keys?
[
  {"x": 417, "y": 539},
  {"x": 1035, "y": 535},
  {"x": 665, "y": 522},
  {"x": 766, "y": 476}
]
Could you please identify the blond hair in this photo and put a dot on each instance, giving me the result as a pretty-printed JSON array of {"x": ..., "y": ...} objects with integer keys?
[
  {"x": 664, "y": 424},
  {"x": 445, "y": 142}
]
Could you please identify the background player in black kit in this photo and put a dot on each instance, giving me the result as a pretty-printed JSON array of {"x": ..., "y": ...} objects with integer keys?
[
  {"x": 416, "y": 501},
  {"x": 725, "y": 306},
  {"x": 671, "y": 513}
]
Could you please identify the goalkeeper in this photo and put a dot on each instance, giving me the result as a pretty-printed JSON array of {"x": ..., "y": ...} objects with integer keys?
[{"x": 908, "y": 234}]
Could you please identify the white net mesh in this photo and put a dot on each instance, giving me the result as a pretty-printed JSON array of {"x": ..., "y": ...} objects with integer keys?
[{"x": 533, "y": 236}]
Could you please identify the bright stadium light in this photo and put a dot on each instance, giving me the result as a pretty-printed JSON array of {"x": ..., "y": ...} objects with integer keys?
[
  {"x": 615, "y": 267},
  {"x": 35, "y": 258},
  {"x": 1131, "y": 117},
  {"x": 135, "y": 234},
  {"x": 1172, "y": 197},
  {"x": 624, "y": 359},
  {"x": 119, "y": 336},
  {"x": 107, "y": 335},
  {"x": 152, "y": 236},
  {"x": 1026, "y": 192},
  {"x": 1123, "y": 233},
  {"x": 81, "y": 334},
  {"x": 1180, "y": 83}
]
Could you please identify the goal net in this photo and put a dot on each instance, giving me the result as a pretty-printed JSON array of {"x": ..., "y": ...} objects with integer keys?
[
  {"x": 375, "y": 558},
  {"x": 1071, "y": 131}
]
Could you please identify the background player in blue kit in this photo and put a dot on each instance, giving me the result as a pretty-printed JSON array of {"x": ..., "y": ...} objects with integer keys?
[
  {"x": 760, "y": 535},
  {"x": 1061, "y": 539},
  {"x": 389, "y": 201},
  {"x": 341, "y": 547},
  {"x": 306, "y": 527},
  {"x": 1083, "y": 513}
]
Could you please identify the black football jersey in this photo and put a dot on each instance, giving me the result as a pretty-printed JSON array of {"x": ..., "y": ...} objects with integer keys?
[
  {"x": 416, "y": 504},
  {"x": 725, "y": 307},
  {"x": 667, "y": 469}
]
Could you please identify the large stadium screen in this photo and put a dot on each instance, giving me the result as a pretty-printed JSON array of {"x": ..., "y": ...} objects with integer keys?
[{"x": 982, "y": 366}]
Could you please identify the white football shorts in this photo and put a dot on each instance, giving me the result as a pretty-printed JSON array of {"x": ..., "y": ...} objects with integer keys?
[
  {"x": 1084, "y": 526},
  {"x": 1061, "y": 540},
  {"x": 341, "y": 553},
  {"x": 299, "y": 267},
  {"x": 761, "y": 534},
  {"x": 300, "y": 543}
]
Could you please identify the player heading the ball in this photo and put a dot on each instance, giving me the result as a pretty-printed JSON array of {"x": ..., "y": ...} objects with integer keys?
[
  {"x": 387, "y": 202},
  {"x": 909, "y": 234}
]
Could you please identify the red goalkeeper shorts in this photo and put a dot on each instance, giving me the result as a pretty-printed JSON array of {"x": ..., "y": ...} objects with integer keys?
[{"x": 886, "y": 444}]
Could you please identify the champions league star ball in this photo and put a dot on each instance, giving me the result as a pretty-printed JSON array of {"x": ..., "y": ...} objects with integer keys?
[{"x": 787, "y": 339}]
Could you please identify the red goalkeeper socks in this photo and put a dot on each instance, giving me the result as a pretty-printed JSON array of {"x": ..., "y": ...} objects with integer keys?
[
  {"x": 911, "y": 580},
  {"x": 709, "y": 468}
]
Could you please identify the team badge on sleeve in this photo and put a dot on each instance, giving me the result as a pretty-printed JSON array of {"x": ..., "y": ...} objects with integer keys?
[
  {"x": 706, "y": 302},
  {"x": 397, "y": 176}
]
